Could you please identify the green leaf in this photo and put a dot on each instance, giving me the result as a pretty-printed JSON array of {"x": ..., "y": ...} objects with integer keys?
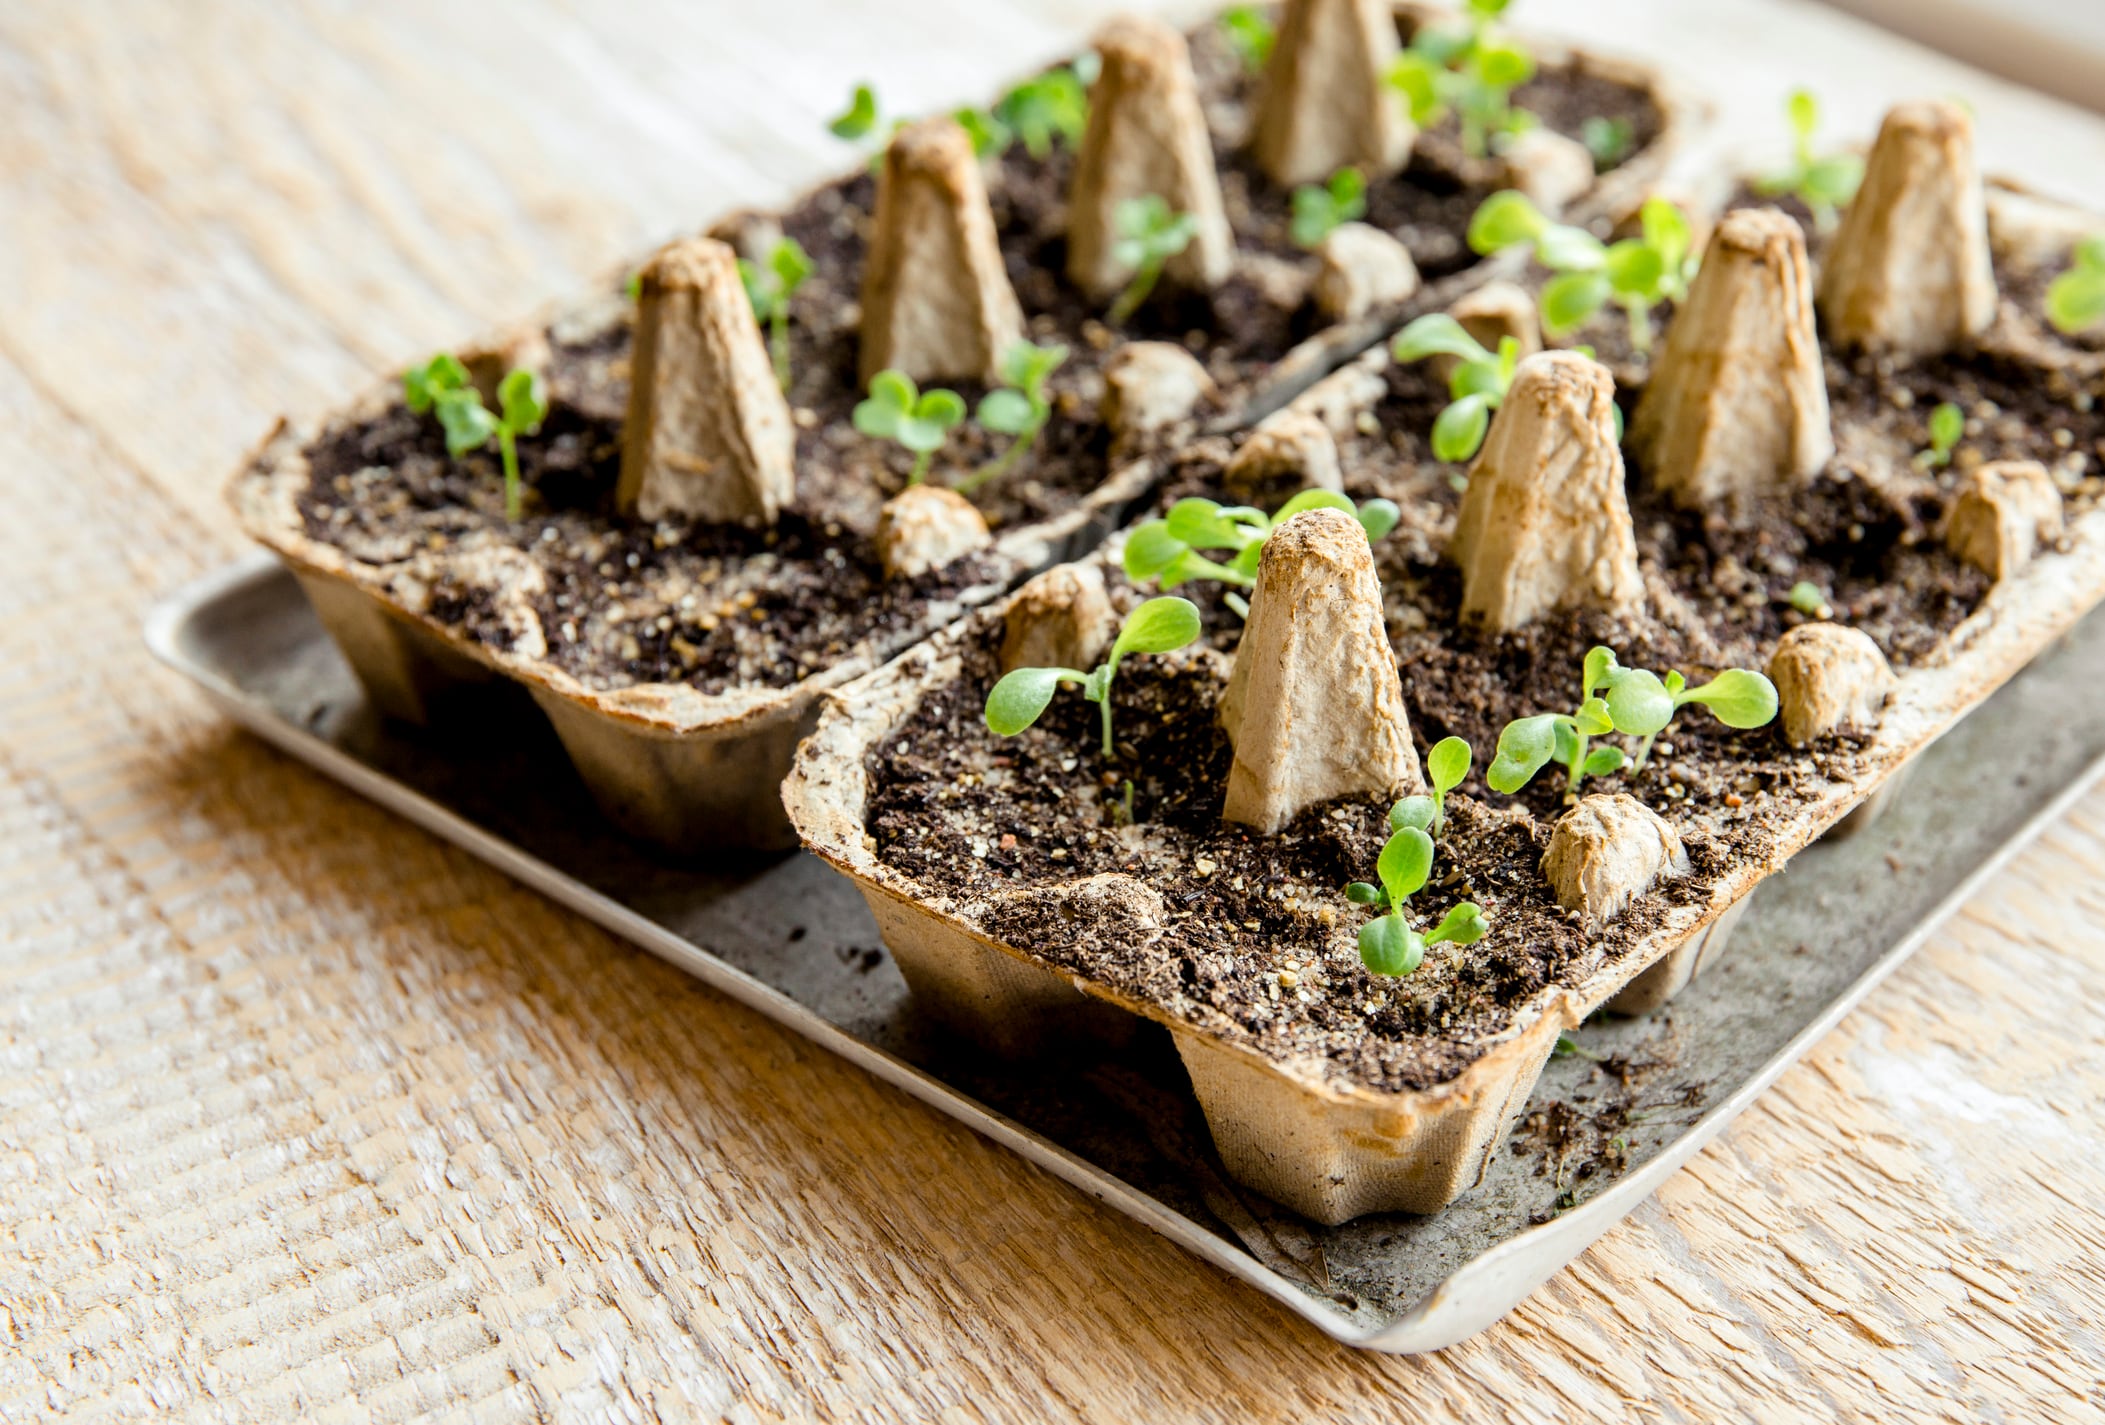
[
  {"x": 1834, "y": 179},
  {"x": 1203, "y": 524},
  {"x": 1437, "y": 334},
  {"x": 523, "y": 400},
  {"x": 1635, "y": 268},
  {"x": 1365, "y": 893},
  {"x": 1311, "y": 500},
  {"x": 1570, "y": 298},
  {"x": 1608, "y": 140},
  {"x": 422, "y": 385},
  {"x": 467, "y": 422},
  {"x": 790, "y": 263},
  {"x": 1639, "y": 703},
  {"x": 1502, "y": 220},
  {"x": 1569, "y": 249},
  {"x": 1020, "y": 697},
  {"x": 1675, "y": 682},
  {"x": 1314, "y": 215},
  {"x": 761, "y": 288},
  {"x": 859, "y": 118},
  {"x": 1665, "y": 230},
  {"x": 1524, "y": 748},
  {"x": 1464, "y": 925},
  {"x": 1418, "y": 78},
  {"x": 1146, "y": 233},
  {"x": 1151, "y": 549},
  {"x": 1603, "y": 760},
  {"x": 1404, "y": 864},
  {"x": 1009, "y": 412},
  {"x": 1593, "y": 718},
  {"x": 1028, "y": 366},
  {"x": 1806, "y": 597},
  {"x": 1503, "y": 65},
  {"x": 1389, "y": 947},
  {"x": 1802, "y": 110},
  {"x": 2076, "y": 299},
  {"x": 1249, "y": 33},
  {"x": 1566, "y": 735},
  {"x": 1598, "y": 667},
  {"x": 1377, "y": 517},
  {"x": 1052, "y": 106},
  {"x": 1157, "y": 626},
  {"x": 1458, "y": 431},
  {"x": 1415, "y": 813},
  {"x": 1738, "y": 697},
  {"x": 989, "y": 135},
  {"x": 1947, "y": 425},
  {"x": 1481, "y": 378},
  {"x": 1447, "y": 764}
]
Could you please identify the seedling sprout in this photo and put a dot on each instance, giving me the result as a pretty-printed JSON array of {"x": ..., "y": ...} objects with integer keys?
[
  {"x": 919, "y": 420},
  {"x": 1615, "y": 699},
  {"x": 1470, "y": 73},
  {"x": 442, "y": 386},
  {"x": 1387, "y": 944},
  {"x": 2076, "y": 299},
  {"x": 1608, "y": 140},
  {"x": 1168, "y": 549},
  {"x": 1019, "y": 408},
  {"x": 1478, "y": 385},
  {"x": 1149, "y": 234},
  {"x": 1636, "y": 273},
  {"x": 1446, "y": 767},
  {"x": 1947, "y": 426},
  {"x": 1250, "y": 34},
  {"x": 1052, "y": 106},
  {"x": 1160, "y": 625},
  {"x": 769, "y": 287},
  {"x": 859, "y": 120},
  {"x": 1823, "y": 184},
  {"x": 1319, "y": 209},
  {"x": 1808, "y": 599}
]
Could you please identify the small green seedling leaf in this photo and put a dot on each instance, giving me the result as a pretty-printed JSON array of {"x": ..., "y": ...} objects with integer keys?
[
  {"x": 1415, "y": 812},
  {"x": 769, "y": 286},
  {"x": 1738, "y": 697},
  {"x": 1378, "y": 517},
  {"x": 1524, "y": 748},
  {"x": 1601, "y": 761},
  {"x": 1638, "y": 703},
  {"x": 1470, "y": 73},
  {"x": 989, "y": 135},
  {"x": 1479, "y": 383},
  {"x": 1052, "y": 107},
  {"x": 1020, "y": 408},
  {"x": 1947, "y": 426},
  {"x": 1458, "y": 431},
  {"x": 1389, "y": 947},
  {"x": 422, "y": 385},
  {"x": 1168, "y": 549},
  {"x": 1448, "y": 764},
  {"x": 1825, "y": 184},
  {"x": 1022, "y": 697},
  {"x": 1637, "y": 273},
  {"x": 1608, "y": 140},
  {"x": 441, "y": 386},
  {"x": 1364, "y": 893},
  {"x": 897, "y": 411},
  {"x": 2075, "y": 299},
  {"x": 1464, "y": 925},
  {"x": 1158, "y": 626},
  {"x": 859, "y": 119},
  {"x": 1808, "y": 599},
  {"x": 1319, "y": 211},
  {"x": 1405, "y": 863},
  {"x": 1146, "y": 234},
  {"x": 1250, "y": 34}
]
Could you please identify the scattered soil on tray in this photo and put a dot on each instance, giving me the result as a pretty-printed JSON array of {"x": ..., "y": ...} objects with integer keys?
[{"x": 1592, "y": 1134}]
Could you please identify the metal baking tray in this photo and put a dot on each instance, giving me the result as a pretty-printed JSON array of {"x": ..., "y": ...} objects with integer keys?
[{"x": 1631, "y": 1101}]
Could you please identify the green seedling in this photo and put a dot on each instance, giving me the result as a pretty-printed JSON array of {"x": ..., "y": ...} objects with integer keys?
[
  {"x": 989, "y": 134},
  {"x": 1615, "y": 699},
  {"x": 1250, "y": 34},
  {"x": 1168, "y": 549},
  {"x": 1478, "y": 385},
  {"x": 1387, "y": 944},
  {"x": 442, "y": 386},
  {"x": 2076, "y": 298},
  {"x": 860, "y": 119},
  {"x": 1608, "y": 140},
  {"x": 1637, "y": 273},
  {"x": 1051, "y": 106},
  {"x": 1947, "y": 426},
  {"x": 1320, "y": 209},
  {"x": 1019, "y": 407},
  {"x": 919, "y": 420},
  {"x": 769, "y": 287},
  {"x": 1147, "y": 234},
  {"x": 1808, "y": 599},
  {"x": 1446, "y": 767},
  {"x": 1825, "y": 185},
  {"x": 1470, "y": 73},
  {"x": 1021, "y": 697}
]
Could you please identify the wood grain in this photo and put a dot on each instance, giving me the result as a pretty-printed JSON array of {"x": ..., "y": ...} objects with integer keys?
[{"x": 306, "y": 1115}]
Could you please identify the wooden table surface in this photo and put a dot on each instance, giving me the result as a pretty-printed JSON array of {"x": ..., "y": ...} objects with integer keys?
[{"x": 304, "y": 1114}]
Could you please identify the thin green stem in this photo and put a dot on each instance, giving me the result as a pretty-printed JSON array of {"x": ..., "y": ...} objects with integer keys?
[
  {"x": 1104, "y": 707},
  {"x": 1136, "y": 292},
  {"x": 1001, "y": 464},
  {"x": 513, "y": 496},
  {"x": 920, "y": 470},
  {"x": 1575, "y": 770},
  {"x": 1644, "y": 750},
  {"x": 1640, "y": 323},
  {"x": 778, "y": 343}
]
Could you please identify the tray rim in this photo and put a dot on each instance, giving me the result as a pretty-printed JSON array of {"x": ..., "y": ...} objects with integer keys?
[{"x": 1474, "y": 1295}]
